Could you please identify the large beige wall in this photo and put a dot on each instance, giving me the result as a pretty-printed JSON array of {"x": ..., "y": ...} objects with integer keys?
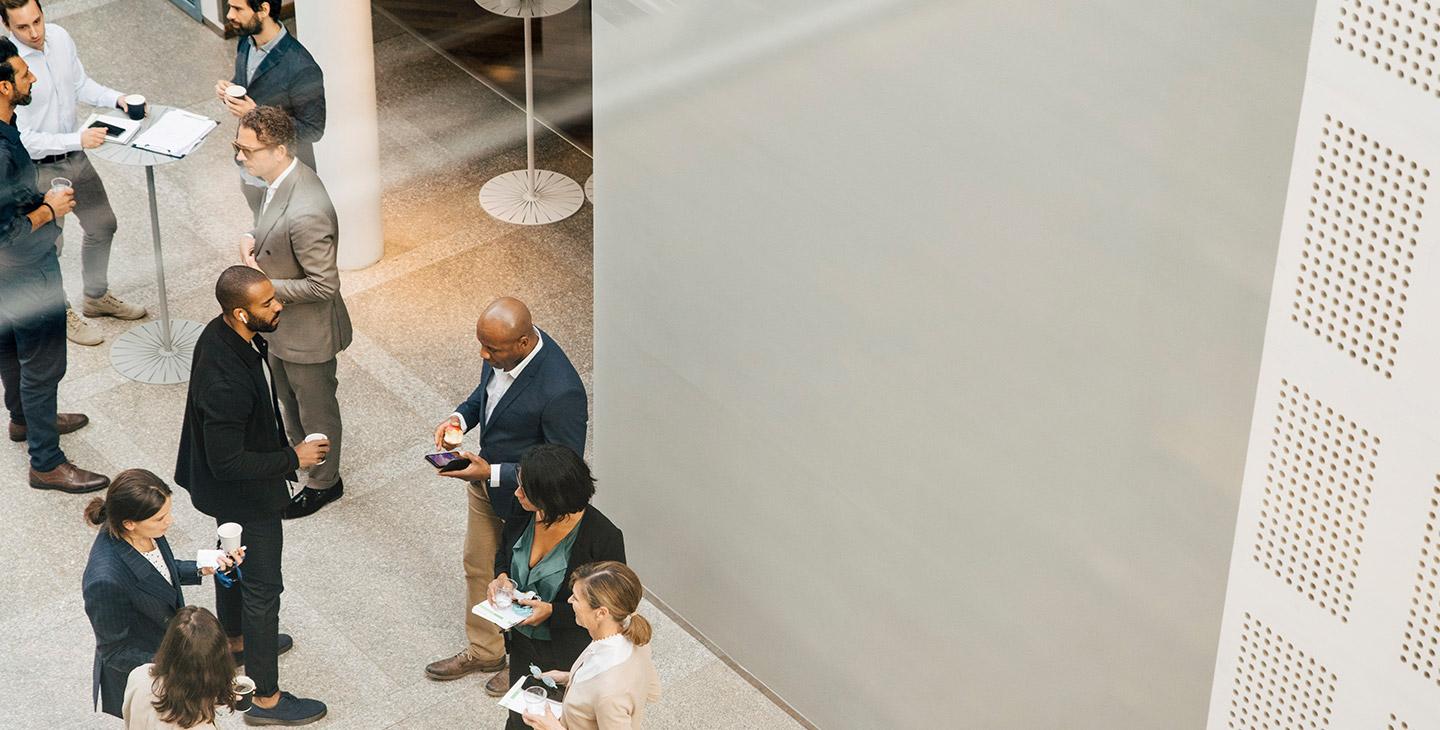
[{"x": 927, "y": 337}]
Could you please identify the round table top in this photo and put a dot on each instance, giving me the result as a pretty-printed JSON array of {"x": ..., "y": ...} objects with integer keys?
[
  {"x": 125, "y": 154},
  {"x": 527, "y": 8}
]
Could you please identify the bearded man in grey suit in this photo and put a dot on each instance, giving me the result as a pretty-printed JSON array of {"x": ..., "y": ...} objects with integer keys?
[{"x": 294, "y": 243}]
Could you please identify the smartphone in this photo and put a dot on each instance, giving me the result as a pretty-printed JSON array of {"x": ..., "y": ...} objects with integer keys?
[
  {"x": 110, "y": 129},
  {"x": 442, "y": 458}
]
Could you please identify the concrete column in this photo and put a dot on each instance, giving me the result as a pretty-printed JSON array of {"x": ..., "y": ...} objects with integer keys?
[{"x": 337, "y": 33}]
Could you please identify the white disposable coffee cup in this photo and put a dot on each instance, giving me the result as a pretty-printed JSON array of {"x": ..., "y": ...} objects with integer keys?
[
  {"x": 318, "y": 437},
  {"x": 235, "y": 91},
  {"x": 229, "y": 534}
]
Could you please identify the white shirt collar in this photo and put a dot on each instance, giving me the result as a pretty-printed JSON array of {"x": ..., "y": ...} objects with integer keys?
[
  {"x": 28, "y": 50},
  {"x": 276, "y": 185},
  {"x": 539, "y": 343},
  {"x": 607, "y": 653}
]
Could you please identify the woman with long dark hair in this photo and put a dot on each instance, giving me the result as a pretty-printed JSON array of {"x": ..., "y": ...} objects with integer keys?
[
  {"x": 540, "y": 553},
  {"x": 193, "y": 673},
  {"x": 132, "y": 580}
]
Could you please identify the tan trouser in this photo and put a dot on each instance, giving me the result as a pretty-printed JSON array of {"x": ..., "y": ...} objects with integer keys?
[{"x": 482, "y": 540}]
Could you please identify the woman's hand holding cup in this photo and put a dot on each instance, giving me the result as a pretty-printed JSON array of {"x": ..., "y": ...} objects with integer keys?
[{"x": 501, "y": 584}]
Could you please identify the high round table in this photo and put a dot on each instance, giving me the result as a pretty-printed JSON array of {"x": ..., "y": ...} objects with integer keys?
[{"x": 156, "y": 352}]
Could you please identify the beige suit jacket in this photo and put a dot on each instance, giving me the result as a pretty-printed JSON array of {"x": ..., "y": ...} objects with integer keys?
[
  {"x": 296, "y": 238},
  {"x": 614, "y": 699}
]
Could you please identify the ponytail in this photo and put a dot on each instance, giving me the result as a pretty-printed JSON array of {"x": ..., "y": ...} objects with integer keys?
[
  {"x": 95, "y": 511},
  {"x": 636, "y": 628}
]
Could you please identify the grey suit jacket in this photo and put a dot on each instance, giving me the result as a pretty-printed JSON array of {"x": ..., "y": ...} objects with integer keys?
[{"x": 295, "y": 243}]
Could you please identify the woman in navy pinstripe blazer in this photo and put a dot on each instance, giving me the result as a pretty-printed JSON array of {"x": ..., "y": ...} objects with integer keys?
[{"x": 132, "y": 580}]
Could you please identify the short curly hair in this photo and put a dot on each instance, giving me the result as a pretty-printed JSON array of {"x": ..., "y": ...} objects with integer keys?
[{"x": 271, "y": 125}]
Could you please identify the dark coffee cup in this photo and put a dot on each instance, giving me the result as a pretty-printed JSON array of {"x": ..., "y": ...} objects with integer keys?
[
  {"x": 135, "y": 106},
  {"x": 244, "y": 692}
]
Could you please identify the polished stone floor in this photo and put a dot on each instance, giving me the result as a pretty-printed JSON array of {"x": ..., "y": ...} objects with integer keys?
[{"x": 373, "y": 582}]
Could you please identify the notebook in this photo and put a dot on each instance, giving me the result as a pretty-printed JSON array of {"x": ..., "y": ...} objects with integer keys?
[{"x": 175, "y": 134}]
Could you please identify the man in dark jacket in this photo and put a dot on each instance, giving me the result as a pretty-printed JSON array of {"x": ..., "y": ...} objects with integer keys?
[
  {"x": 275, "y": 70},
  {"x": 32, "y": 301},
  {"x": 529, "y": 394},
  {"x": 236, "y": 463}
]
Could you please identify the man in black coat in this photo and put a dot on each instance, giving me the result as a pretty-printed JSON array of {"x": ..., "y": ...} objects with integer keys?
[
  {"x": 275, "y": 71},
  {"x": 529, "y": 394},
  {"x": 236, "y": 463}
]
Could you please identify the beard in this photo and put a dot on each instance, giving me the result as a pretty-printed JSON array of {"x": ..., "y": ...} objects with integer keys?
[
  {"x": 257, "y": 324},
  {"x": 23, "y": 100},
  {"x": 251, "y": 28}
]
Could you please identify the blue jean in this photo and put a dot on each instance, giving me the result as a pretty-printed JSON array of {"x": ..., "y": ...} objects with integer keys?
[{"x": 32, "y": 354}]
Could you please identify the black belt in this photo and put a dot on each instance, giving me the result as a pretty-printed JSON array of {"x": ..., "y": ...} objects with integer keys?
[{"x": 57, "y": 158}]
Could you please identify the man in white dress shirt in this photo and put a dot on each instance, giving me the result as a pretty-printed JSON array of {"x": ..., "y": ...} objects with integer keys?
[{"x": 51, "y": 134}]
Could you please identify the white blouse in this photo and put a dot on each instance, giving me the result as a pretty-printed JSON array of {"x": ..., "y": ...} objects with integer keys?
[
  {"x": 601, "y": 655},
  {"x": 158, "y": 560}
]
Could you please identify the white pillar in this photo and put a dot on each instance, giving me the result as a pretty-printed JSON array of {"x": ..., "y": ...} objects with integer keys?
[{"x": 337, "y": 33}]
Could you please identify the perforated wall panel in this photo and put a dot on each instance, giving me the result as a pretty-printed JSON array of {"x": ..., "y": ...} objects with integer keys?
[{"x": 1332, "y": 611}]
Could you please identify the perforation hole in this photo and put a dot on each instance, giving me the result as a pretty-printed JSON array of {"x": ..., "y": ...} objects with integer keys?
[
  {"x": 1422, "y": 628},
  {"x": 1276, "y": 684},
  {"x": 1373, "y": 30},
  {"x": 1360, "y": 239},
  {"x": 1397, "y": 724},
  {"x": 1317, "y": 497}
]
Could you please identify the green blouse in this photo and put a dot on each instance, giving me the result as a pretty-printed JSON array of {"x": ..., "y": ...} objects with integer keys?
[{"x": 545, "y": 577}]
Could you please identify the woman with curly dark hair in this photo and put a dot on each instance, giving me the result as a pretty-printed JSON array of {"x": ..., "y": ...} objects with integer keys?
[{"x": 193, "y": 673}]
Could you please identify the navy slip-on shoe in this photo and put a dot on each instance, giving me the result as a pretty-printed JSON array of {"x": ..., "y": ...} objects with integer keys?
[
  {"x": 291, "y": 710},
  {"x": 285, "y": 643}
]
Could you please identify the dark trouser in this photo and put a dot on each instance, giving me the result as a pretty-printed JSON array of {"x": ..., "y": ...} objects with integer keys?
[
  {"x": 525, "y": 651},
  {"x": 92, "y": 207},
  {"x": 252, "y": 608},
  {"x": 32, "y": 355},
  {"x": 308, "y": 404},
  {"x": 254, "y": 197}
]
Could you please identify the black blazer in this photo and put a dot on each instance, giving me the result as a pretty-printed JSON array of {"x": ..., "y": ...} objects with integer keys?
[
  {"x": 234, "y": 457},
  {"x": 546, "y": 404},
  {"x": 129, "y": 605},
  {"x": 598, "y": 539},
  {"x": 290, "y": 79}
]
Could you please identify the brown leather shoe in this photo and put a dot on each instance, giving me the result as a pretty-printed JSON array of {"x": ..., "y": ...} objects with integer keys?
[
  {"x": 64, "y": 423},
  {"x": 460, "y": 665},
  {"x": 499, "y": 684},
  {"x": 69, "y": 478}
]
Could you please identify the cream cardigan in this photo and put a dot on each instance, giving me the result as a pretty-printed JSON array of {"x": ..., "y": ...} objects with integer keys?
[{"x": 614, "y": 699}]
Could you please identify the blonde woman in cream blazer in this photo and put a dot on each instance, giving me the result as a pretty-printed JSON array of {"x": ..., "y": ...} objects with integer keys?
[{"x": 614, "y": 678}]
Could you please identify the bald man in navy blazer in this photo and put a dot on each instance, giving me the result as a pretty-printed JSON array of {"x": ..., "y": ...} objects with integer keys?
[{"x": 529, "y": 394}]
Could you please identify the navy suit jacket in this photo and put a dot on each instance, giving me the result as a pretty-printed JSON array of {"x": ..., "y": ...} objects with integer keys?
[
  {"x": 545, "y": 405},
  {"x": 290, "y": 79},
  {"x": 129, "y": 605}
]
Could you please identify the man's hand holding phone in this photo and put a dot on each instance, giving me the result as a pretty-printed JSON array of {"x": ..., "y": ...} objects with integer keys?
[{"x": 477, "y": 471}]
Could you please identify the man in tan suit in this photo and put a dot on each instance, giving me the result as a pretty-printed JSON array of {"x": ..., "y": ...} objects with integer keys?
[{"x": 294, "y": 243}]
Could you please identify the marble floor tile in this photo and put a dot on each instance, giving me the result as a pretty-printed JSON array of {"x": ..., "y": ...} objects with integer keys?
[{"x": 374, "y": 582}]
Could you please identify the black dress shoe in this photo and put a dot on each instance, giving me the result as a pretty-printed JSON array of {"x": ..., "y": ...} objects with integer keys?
[{"x": 309, "y": 501}]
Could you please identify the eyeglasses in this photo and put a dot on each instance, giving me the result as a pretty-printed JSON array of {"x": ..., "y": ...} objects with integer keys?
[{"x": 247, "y": 151}]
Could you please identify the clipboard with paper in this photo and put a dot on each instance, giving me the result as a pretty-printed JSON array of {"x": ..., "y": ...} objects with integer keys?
[{"x": 176, "y": 134}]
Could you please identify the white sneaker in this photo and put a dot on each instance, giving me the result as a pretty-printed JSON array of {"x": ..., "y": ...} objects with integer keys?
[{"x": 79, "y": 331}]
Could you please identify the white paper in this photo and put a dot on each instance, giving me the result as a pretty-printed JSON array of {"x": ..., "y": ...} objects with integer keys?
[
  {"x": 208, "y": 558},
  {"x": 504, "y": 618},
  {"x": 176, "y": 134},
  {"x": 514, "y": 701}
]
